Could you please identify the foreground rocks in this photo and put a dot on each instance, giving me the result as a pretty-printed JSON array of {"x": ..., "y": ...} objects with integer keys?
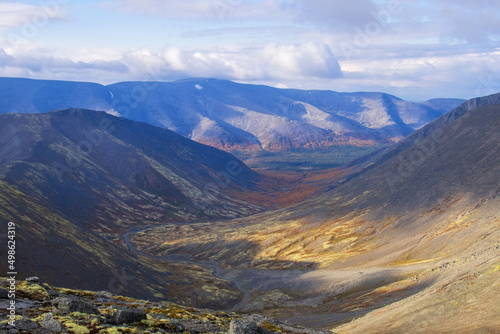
[{"x": 47, "y": 310}]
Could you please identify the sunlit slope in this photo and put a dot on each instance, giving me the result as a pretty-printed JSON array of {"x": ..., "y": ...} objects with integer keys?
[
  {"x": 409, "y": 243},
  {"x": 409, "y": 208}
]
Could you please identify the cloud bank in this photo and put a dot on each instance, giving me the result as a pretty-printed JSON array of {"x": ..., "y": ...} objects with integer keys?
[
  {"x": 414, "y": 49},
  {"x": 271, "y": 62}
]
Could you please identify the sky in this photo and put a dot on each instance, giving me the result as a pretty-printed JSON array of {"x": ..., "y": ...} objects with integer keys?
[{"x": 414, "y": 49}]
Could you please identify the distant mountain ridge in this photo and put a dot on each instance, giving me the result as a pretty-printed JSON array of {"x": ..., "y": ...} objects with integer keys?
[{"x": 236, "y": 117}]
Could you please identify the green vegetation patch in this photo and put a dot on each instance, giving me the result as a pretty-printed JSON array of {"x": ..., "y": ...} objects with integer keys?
[{"x": 307, "y": 159}]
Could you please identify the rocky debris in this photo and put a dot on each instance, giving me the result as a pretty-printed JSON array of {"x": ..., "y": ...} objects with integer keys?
[
  {"x": 197, "y": 326},
  {"x": 77, "y": 311},
  {"x": 127, "y": 316},
  {"x": 66, "y": 305},
  {"x": 51, "y": 324},
  {"x": 176, "y": 324}
]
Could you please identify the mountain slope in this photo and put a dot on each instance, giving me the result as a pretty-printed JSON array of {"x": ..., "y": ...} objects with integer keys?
[
  {"x": 61, "y": 252},
  {"x": 412, "y": 238},
  {"x": 236, "y": 117},
  {"x": 71, "y": 179},
  {"x": 106, "y": 172},
  {"x": 51, "y": 247}
]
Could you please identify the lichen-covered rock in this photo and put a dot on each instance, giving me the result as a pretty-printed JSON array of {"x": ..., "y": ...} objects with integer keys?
[
  {"x": 198, "y": 326},
  {"x": 175, "y": 323},
  {"x": 65, "y": 305},
  {"x": 179, "y": 327},
  {"x": 243, "y": 326},
  {"x": 104, "y": 294},
  {"x": 87, "y": 312},
  {"x": 31, "y": 291},
  {"x": 127, "y": 316},
  {"x": 51, "y": 324},
  {"x": 76, "y": 328}
]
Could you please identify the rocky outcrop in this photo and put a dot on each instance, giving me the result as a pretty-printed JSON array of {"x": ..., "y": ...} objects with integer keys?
[{"x": 78, "y": 311}]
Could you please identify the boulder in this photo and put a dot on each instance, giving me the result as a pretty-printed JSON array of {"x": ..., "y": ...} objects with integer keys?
[
  {"x": 243, "y": 326},
  {"x": 179, "y": 327},
  {"x": 51, "y": 324},
  {"x": 33, "y": 279},
  {"x": 65, "y": 305},
  {"x": 127, "y": 316}
]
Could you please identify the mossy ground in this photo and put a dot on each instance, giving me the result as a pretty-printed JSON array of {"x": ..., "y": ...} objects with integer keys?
[
  {"x": 161, "y": 317},
  {"x": 81, "y": 323}
]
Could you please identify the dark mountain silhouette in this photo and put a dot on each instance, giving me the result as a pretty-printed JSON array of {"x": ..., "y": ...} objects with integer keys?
[
  {"x": 107, "y": 173},
  {"x": 71, "y": 180}
]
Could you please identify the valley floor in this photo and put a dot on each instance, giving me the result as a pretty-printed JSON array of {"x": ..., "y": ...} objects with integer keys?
[{"x": 371, "y": 299}]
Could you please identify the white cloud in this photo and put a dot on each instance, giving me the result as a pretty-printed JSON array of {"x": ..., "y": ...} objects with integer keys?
[
  {"x": 464, "y": 75},
  {"x": 449, "y": 21},
  {"x": 166, "y": 8},
  {"x": 33, "y": 62},
  {"x": 204, "y": 9},
  {"x": 302, "y": 61},
  {"x": 18, "y": 14},
  {"x": 334, "y": 14},
  {"x": 271, "y": 62},
  {"x": 422, "y": 49}
]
